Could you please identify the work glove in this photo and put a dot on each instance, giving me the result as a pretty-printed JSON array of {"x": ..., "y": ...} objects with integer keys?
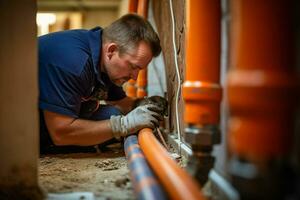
[
  {"x": 156, "y": 100},
  {"x": 144, "y": 116}
]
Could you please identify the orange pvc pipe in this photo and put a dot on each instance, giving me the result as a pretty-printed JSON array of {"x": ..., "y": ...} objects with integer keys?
[
  {"x": 201, "y": 90},
  {"x": 177, "y": 183},
  {"x": 142, "y": 84},
  {"x": 130, "y": 87},
  {"x": 142, "y": 77},
  {"x": 132, "y": 6},
  {"x": 261, "y": 82},
  {"x": 142, "y": 8}
]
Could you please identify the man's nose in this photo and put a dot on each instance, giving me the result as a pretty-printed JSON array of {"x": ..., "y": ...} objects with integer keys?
[{"x": 134, "y": 74}]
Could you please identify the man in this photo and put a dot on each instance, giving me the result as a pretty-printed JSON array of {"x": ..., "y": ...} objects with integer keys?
[{"x": 78, "y": 68}]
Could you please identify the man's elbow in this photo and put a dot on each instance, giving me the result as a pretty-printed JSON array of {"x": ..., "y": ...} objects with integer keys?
[
  {"x": 59, "y": 137},
  {"x": 59, "y": 127}
]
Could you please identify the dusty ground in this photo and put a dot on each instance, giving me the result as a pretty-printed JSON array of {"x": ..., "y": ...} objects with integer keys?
[{"x": 105, "y": 174}]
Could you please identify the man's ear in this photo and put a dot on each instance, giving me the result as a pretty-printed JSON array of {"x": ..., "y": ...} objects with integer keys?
[{"x": 111, "y": 49}]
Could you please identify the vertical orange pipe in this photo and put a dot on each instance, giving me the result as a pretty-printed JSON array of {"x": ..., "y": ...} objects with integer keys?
[
  {"x": 261, "y": 82},
  {"x": 131, "y": 88},
  {"x": 142, "y": 77},
  {"x": 201, "y": 90},
  {"x": 130, "y": 85},
  {"x": 132, "y": 6},
  {"x": 142, "y": 8}
]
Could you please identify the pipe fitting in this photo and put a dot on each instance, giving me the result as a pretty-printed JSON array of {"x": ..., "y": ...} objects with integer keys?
[
  {"x": 199, "y": 166},
  {"x": 202, "y": 136}
]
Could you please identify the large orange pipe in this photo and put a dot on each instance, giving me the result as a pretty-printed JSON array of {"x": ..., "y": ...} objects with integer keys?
[
  {"x": 142, "y": 77},
  {"x": 177, "y": 183},
  {"x": 131, "y": 84},
  {"x": 261, "y": 84},
  {"x": 201, "y": 90}
]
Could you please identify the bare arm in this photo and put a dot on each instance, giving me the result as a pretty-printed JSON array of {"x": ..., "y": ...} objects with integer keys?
[
  {"x": 65, "y": 130},
  {"x": 125, "y": 104}
]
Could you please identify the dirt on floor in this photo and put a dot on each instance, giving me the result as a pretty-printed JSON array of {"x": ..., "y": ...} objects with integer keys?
[{"x": 105, "y": 174}]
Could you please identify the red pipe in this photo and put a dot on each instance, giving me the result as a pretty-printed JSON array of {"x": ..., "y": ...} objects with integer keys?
[{"x": 177, "y": 183}]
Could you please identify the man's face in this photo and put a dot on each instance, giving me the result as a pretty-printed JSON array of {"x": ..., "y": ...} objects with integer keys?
[{"x": 121, "y": 68}]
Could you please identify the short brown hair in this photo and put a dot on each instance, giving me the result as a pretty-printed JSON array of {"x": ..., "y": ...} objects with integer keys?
[{"x": 129, "y": 30}]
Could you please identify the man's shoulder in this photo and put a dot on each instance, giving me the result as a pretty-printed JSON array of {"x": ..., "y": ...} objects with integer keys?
[
  {"x": 69, "y": 50},
  {"x": 64, "y": 41},
  {"x": 80, "y": 36}
]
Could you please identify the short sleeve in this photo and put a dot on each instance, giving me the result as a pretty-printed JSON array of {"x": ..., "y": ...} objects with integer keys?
[{"x": 60, "y": 90}]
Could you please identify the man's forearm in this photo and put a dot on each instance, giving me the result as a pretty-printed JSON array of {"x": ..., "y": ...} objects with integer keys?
[
  {"x": 85, "y": 132},
  {"x": 65, "y": 130}
]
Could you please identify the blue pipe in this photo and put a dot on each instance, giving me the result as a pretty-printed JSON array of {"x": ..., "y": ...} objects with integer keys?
[{"x": 145, "y": 183}]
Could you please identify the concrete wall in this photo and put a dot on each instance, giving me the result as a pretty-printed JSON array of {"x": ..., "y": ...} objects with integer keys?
[{"x": 18, "y": 102}]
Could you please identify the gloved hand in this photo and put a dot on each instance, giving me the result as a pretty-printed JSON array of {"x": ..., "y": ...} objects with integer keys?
[
  {"x": 144, "y": 116},
  {"x": 156, "y": 100}
]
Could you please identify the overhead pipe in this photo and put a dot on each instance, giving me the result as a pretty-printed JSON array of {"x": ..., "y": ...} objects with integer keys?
[
  {"x": 130, "y": 86},
  {"x": 142, "y": 77},
  {"x": 262, "y": 90},
  {"x": 145, "y": 184},
  {"x": 201, "y": 90},
  {"x": 176, "y": 182}
]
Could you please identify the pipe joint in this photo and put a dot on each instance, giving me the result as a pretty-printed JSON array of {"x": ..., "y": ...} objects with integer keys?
[
  {"x": 202, "y": 102},
  {"x": 199, "y": 167},
  {"x": 202, "y": 91},
  {"x": 202, "y": 136}
]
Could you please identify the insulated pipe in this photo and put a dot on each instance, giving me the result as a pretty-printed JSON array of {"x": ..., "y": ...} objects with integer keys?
[
  {"x": 177, "y": 183},
  {"x": 261, "y": 83},
  {"x": 142, "y": 77},
  {"x": 201, "y": 90},
  {"x": 144, "y": 181},
  {"x": 131, "y": 84}
]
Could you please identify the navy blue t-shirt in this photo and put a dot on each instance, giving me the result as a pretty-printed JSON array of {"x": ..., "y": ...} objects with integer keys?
[{"x": 69, "y": 74}]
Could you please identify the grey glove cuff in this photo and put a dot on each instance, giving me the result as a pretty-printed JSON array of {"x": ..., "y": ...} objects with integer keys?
[{"x": 117, "y": 126}]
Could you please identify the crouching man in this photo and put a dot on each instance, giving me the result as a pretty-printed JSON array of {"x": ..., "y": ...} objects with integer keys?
[{"x": 78, "y": 68}]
